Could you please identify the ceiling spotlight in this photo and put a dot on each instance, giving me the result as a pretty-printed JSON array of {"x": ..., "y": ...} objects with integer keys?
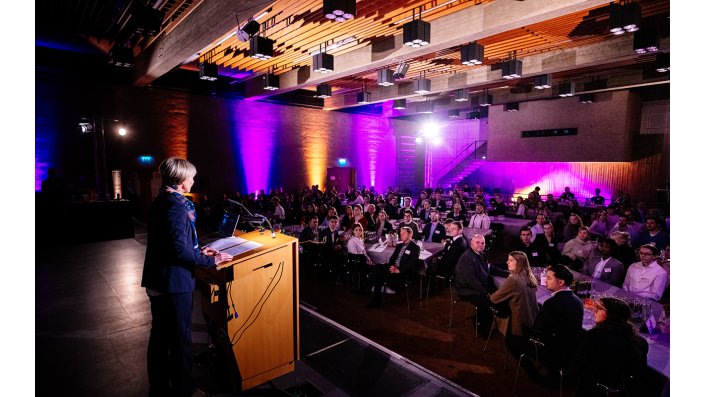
[
  {"x": 511, "y": 107},
  {"x": 364, "y": 97},
  {"x": 511, "y": 69},
  {"x": 385, "y": 77},
  {"x": 208, "y": 71},
  {"x": 416, "y": 33},
  {"x": 339, "y": 10},
  {"x": 322, "y": 63},
  {"x": 323, "y": 91},
  {"x": 399, "y": 104},
  {"x": 587, "y": 98},
  {"x": 261, "y": 48},
  {"x": 646, "y": 40},
  {"x": 462, "y": 95},
  {"x": 663, "y": 62},
  {"x": 271, "y": 82},
  {"x": 566, "y": 89},
  {"x": 478, "y": 112},
  {"x": 542, "y": 81},
  {"x": 122, "y": 131},
  {"x": 422, "y": 85},
  {"x": 485, "y": 98},
  {"x": 401, "y": 70},
  {"x": 454, "y": 113},
  {"x": 148, "y": 20},
  {"x": 246, "y": 32},
  {"x": 85, "y": 127},
  {"x": 624, "y": 18},
  {"x": 121, "y": 56},
  {"x": 472, "y": 54},
  {"x": 425, "y": 107}
]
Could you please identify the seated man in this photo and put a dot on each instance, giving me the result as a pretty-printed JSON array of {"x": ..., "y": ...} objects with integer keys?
[
  {"x": 597, "y": 199},
  {"x": 536, "y": 255},
  {"x": 392, "y": 209},
  {"x": 444, "y": 265},
  {"x": 567, "y": 195},
  {"x": 558, "y": 325},
  {"x": 425, "y": 212},
  {"x": 605, "y": 267},
  {"x": 434, "y": 230},
  {"x": 623, "y": 226},
  {"x": 473, "y": 279},
  {"x": 652, "y": 235},
  {"x": 537, "y": 228},
  {"x": 419, "y": 202},
  {"x": 479, "y": 220},
  {"x": 401, "y": 266},
  {"x": 408, "y": 222},
  {"x": 500, "y": 208},
  {"x": 406, "y": 205},
  {"x": 576, "y": 251},
  {"x": 332, "y": 248},
  {"x": 437, "y": 202},
  {"x": 551, "y": 203},
  {"x": 646, "y": 278},
  {"x": 457, "y": 214}
]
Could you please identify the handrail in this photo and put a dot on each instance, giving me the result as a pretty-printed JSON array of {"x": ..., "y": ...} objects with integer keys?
[{"x": 453, "y": 162}]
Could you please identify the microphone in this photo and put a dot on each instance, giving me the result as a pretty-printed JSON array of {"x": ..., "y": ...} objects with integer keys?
[{"x": 254, "y": 217}]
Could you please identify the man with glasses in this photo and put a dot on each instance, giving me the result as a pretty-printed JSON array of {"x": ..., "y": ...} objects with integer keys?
[{"x": 646, "y": 278}]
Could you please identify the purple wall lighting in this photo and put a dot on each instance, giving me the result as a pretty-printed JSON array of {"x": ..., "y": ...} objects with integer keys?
[
  {"x": 255, "y": 142},
  {"x": 373, "y": 151}
]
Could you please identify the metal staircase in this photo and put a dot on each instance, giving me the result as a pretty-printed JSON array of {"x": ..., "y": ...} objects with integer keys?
[{"x": 464, "y": 164}]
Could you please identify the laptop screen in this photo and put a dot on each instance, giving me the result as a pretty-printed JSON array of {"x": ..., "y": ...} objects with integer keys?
[{"x": 228, "y": 224}]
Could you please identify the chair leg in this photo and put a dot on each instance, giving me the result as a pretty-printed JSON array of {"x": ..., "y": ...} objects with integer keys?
[
  {"x": 489, "y": 336},
  {"x": 477, "y": 323},
  {"x": 408, "y": 304},
  {"x": 560, "y": 383},
  {"x": 516, "y": 378}
]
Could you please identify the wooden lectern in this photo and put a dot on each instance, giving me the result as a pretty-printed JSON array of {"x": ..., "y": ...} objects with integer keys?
[{"x": 256, "y": 299}]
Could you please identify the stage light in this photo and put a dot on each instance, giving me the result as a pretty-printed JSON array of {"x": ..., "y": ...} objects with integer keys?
[
  {"x": 430, "y": 129},
  {"x": 485, "y": 98},
  {"x": 663, "y": 62},
  {"x": 416, "y": 33},
  {"x": 511, "y": 69},
  {"x": 542, "y": 81},
  {"x": 454, "y": 113},
  {"x": 121, "y": 56},
  {"x": 342, "y": 162},
  {"x": 511, "y": 107},
  {"x": 402, "y": 68},
  {"x": 587, "y": 98},
  {"x": 122, "y": 131},
  {"x": 422, "y": 85},
  {"x": 462, "y": 95},
  {"x": 250, "y": 29},
  {"x": 566, "y": 89},
  {"x": 472, "y": 54},
  {"x": 399, "y": 104},
  {"x": 323, "y": 63}
]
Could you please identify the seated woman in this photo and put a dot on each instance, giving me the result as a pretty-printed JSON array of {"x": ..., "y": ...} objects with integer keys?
[
  {"x": 382, "y": 226},
  {"x": 518, "y": 293},
  {"x": 549, "y": 244},
  {"x": 570, "y": 231},
  {"x": 600, "y": 227},
  {"x": 520, "y": 207},
  {"x": 611, "y": 353},
  {"x": 358, "y": 216},
  {"x": 346, "y": 221},
  {"x": 357, "y": 252}
]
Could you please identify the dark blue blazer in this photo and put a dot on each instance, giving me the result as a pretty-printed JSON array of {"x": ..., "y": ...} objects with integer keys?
[{"x": 171, "y": 259}]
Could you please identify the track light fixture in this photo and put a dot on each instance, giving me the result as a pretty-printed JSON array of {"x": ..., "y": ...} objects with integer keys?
[
  {"x": 416, "y": 33},
  {"x": 511, "y": 68},
  {"x": 121, "y": 56},
  {"x": 385, "y": 77},
  {"x": 322, "y": 62},
  {"x": 208, "y": 71},
  {"x": 646, "y": 40},
  {"x": 339, "y": 10},
  {"x": 401, "y": 70},
  {"x": 511, "y": 107},
  {"x": 542, "y": 81},
  {"x": 624, "y": 17},
  {"x": 478, "y": 112},
  {"x": 399, "y": 104},
  {"x": 422, "y": 85},
  {"x": 472, "y": 54},
  {"x": 323, "y": 91},
  {"x": 261, "y": 48},
  {"x": 425, "y": 107},
  {"x": 566, "y": 89},
  {"x": 663, "y": 62},
  {"x": 462, "y": 95}
]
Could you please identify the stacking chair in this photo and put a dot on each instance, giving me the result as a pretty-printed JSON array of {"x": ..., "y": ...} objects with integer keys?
[
  {"x": 454, "y": 298},
  {"x": 538, "y": 346},
  {"x": 405, "y": 284},
  {"x": 353, "y": 266}
]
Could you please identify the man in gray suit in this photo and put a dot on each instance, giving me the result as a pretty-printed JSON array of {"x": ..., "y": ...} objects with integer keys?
[{"x": 605, "y": 267}]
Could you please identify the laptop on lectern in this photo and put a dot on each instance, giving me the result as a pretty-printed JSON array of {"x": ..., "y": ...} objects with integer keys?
[{"x": 227, "y": 226}]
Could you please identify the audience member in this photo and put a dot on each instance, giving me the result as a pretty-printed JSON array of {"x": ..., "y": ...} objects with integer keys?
[
  {"x": 548, "y": 243},
  {"x": 624, "y": 252},
  {"x": 567, "y": 195},
  {"x": 500, "y": 208},
  {"x": 347, "y": 221},
  {"x": 551, "y": 203},
  {"x": 578, "y": 250},
  {"x": 600, "y": 227},
  {"x": 537, "y": 228},
  {"x": 605, "y": 267},
  {"x": 401, "y": 265},
  {"x": 358, "y": 216},
  {"x": 433, "y": 231},
  {"x": 406, "y": 205},
  {"x": 425, "y": 212},
  {"x": 533, "y": 252},
  {"x": 520, "y": 207},
  {"x": 479, "y": 220},
  {"x": 370, "y": 216},
  {"x": 332, "y": 248},
  {"x": 437, "y": 202},
  {"x": 408, "y": 222},
  {"x": 382, "y": 226},
  {"x": 646, "y": 278},
  {"x": 611, "y": 353},
  {"x": 597, "y": 199},
  {"x": 652, "y": 235},
  {"x": 457, "y": 214},
  {"x": 570, "y": 231}
]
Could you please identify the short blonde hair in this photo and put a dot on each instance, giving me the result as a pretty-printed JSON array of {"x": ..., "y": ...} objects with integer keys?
[{"x": 175, "y": 170}]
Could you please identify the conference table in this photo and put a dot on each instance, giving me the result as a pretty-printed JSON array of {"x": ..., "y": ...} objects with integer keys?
[
  {"x": 659, "y": 356},
  {"x": 429, "y": 250}
]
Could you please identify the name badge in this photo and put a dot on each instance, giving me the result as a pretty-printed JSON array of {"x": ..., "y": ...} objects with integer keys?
[
  {"x": 437, "y": 232},
  {"x": 608, "y": 270},
  {"x": 407, "y": 252},
  {"x": 550, "y": 244},
  {"x": 534, "y": 254}
]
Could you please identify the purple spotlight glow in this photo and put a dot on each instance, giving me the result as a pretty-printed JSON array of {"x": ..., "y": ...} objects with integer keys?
[
  {"x": 256, "y": 141},
  {"x": 374, "y": 153}
]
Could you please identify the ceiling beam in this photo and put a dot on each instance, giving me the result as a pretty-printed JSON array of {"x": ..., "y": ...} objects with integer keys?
[
  {"x": 467, "y": 25},
  {"x": 210, "y": 21}
]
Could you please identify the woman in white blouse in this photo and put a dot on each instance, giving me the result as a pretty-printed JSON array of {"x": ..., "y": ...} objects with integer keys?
[{"x": 356, "y": 246}]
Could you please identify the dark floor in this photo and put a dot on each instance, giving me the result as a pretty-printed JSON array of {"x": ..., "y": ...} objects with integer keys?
[{"x": 93, "y": 320}]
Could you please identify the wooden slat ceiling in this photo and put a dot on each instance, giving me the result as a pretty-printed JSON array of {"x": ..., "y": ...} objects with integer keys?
[{"x": 299, "y": 27}]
